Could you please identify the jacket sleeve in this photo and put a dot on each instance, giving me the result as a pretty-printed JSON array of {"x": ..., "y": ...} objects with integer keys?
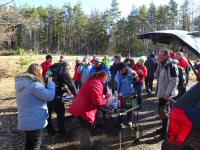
[
  {"x": 97, "y": 95},
  {"x": 117, "y": 81},
  {"x": 145, "y": 71},
  {"x": 42, "y": 93},
  {"x": 67, "y": 80},
  {"x": 173, "y": 80},
  {"x": 80, "y": 68},
  {"x": 108, "y": 72},
  {"x": 197, "y": 66}
]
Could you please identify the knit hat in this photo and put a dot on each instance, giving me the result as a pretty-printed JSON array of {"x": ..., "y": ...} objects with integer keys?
[
  {"x": 97, "y": 60},
  {"x": 142, "y": 58}
]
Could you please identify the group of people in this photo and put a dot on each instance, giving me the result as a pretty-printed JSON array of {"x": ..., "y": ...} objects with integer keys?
[{"x": 40, "y": 89}]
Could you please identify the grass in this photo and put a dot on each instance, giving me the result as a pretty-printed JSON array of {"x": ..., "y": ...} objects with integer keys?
[{"x": 11, "y": 69}]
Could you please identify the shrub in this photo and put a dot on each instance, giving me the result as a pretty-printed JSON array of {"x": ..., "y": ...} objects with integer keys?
[{"x": 25, "y": 58}]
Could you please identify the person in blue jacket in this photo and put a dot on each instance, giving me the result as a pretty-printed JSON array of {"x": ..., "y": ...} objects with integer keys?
[
  {"x": 32, "y": 97},
  {"x": 99, "y": 66},
  {"x": 126, "y": 79}
]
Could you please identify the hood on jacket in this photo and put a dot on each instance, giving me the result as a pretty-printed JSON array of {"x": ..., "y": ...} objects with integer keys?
[
  {"x": 151, "y": 56},
  {"x": 24, "y": 80},
  {"x": 171, "y": 61}
]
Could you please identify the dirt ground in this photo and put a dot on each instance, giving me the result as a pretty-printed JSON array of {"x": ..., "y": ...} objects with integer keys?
[{"x": 106, "y": 138}]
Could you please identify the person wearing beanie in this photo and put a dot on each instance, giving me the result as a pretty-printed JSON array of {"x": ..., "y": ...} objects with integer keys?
[
  {"x": 141, "y": 70},
  {"x": 113, "y": 70},
  {"x": 151, "y": 65}
]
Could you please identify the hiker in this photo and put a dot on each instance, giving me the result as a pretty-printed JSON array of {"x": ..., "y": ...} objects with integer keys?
[
  {"x": 61, "y": 59},
  {"x": 172, "y": 55},
  {"x": 32, "y": 98},
  {"x": 113, "y": 70},
  {"x": 106, "y": 61},
  {"x": 141, "y": 70},
  {"x": 99, "y": 66},
  {"x": 46, "y": 65},
  {"x": 197, "y": 67},
  {"x": 77, "y": 75},
  {"x": 84, "y": 70},
  {"x": 93, "y": 59},
  {"x": 86, "y": 104},
  {"x": 64, "y": 84},
  {"x": 183, "y": 62},
  {"x": 129, "y": 61},
  {"x": 151, "y": 65},
  {"x": 167, "y": 73},
  {"x": 126, "y": 79}
]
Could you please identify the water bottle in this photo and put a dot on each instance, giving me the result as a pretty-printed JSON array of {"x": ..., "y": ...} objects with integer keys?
[{"x": 116, "y": 101}]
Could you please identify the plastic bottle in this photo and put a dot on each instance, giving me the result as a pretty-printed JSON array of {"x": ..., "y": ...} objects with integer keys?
[{"x": 116, "y": 101}]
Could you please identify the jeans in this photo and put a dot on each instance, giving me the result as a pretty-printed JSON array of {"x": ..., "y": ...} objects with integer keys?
[
  {"x": 78, "y": 85},
  {"x": 139, "y": 92},
  {"x": 33, "y": 139},
  {"x": 149, "y": 84},
  {"x": 59, "y": 108}
]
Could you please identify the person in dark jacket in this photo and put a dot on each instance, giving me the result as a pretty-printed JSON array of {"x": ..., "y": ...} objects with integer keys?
[
  {"x": 151, "y": 65},
  {"x": 113, "y": 70},
  {"x": 64, "y": 84},
  {"x": 129, "y": 61}
]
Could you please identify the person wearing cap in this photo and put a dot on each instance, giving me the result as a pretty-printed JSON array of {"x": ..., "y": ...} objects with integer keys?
[
  {"x": 129, "y": 61},
  {"x": 64, "y": 83},
  {"x": 151, "y": 65},
  {"x": 99, "y": 66},
  {"x": 113, "y": 70},
  {"x": 84, "y": 70},
  {"x": 125, "y": 79},
  {"x": 77, "y": 75},
  {"x": 141, "y": 70}
]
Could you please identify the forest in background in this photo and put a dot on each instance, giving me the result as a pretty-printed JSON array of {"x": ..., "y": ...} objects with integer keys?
[{"x": 68, "y": 30}]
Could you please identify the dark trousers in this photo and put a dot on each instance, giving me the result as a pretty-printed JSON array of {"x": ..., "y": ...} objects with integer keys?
[
  {"x": 139, "y": 92},
  {"x": 59, "y": 108},
  {"x": 33, "y": 139},
  {"x": 78, "y": 85},
  {"x": 85, "y": 134},
  {"x": 164, "y": 112},
  {"x": 149, "y": 84}
]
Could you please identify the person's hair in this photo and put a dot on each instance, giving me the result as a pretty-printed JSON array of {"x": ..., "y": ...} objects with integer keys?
[
  {"x": 166, "y": 52},
  {"x": 35, "y": 69},
  {"x": 122, "y": 65},
  {"x": 118, "y": 57},
  {"x": 100, "y": 74},
  {"x": 48, "y": 57},
  {"x": 61, "y": 57}
]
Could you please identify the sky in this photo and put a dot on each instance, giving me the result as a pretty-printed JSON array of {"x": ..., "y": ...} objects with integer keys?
[{"x": 125, "y": 6}]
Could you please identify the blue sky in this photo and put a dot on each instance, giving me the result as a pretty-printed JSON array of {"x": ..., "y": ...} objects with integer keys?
[{"x": 89, "y": 5}]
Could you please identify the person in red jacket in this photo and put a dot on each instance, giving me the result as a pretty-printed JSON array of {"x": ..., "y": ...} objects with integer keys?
[
  {"x": 46, "y": 65},
  {"x": 77, "y": 75},
  {"x": 183, "y": 62},
  {"x": 141, "y": 70},
  {"x": 86, "y": 104}
]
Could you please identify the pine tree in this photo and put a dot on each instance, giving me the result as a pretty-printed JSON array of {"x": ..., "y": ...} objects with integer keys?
[
  {"x": 173, "y": 7},
  {"x": 185, "y": 18}
]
